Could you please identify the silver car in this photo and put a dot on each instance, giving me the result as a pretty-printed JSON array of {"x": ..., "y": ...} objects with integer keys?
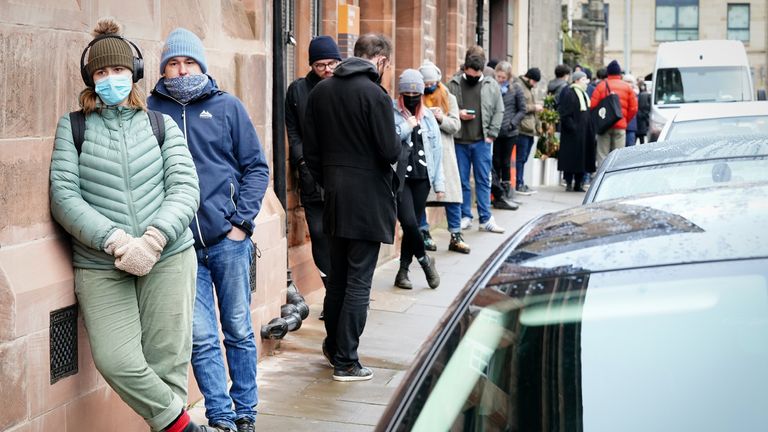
[
  {"x": 672, "y": 166},
  {"x": 717, "y": 119},
  {"x": 641, "y": 314}
]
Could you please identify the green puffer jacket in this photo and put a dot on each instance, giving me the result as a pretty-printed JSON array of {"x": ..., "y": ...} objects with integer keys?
[{"x": 122, "y": 179}]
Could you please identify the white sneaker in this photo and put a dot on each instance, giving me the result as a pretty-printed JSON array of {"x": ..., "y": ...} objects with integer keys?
[
  {"x": 466, "y": 223},
  {"x": 491, "y": 226}
]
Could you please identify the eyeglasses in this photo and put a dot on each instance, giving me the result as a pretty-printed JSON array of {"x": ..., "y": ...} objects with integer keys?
[{"x": 323, "y": 66}]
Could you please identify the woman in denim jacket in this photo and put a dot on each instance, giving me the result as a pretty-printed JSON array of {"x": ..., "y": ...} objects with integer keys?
[{"x": 419, "y": 168}]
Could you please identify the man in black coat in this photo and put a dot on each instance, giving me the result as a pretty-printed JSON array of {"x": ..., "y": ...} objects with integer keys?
[
  {"x": 323, "y": 57},
  {"x": 349, "y": 145}
]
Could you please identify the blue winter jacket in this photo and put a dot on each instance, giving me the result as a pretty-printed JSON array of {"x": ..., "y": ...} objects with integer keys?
[{"x": 230, "y": 163}]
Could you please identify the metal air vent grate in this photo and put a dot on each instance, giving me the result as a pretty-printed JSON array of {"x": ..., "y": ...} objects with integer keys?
[{"x": 63, "y": 343}]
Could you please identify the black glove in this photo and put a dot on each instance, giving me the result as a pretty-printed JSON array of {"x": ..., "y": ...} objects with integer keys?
[{"x": 307, "y": 183}]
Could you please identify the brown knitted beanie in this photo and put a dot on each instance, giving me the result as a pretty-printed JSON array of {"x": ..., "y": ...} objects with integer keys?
[{"x": 108, "y": 51}]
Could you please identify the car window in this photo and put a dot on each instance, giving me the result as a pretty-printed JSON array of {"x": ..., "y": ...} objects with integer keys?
[
  {"x": 671, "y": 348},
  {"x": 732, "y": 126},
  {"x": 695, "y": 84},
  {"x": 681, "y": 176}
]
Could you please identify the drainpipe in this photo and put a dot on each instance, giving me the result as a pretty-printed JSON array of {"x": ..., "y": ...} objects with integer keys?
[
  {"x": 278, "y": 102},
  {"x": 479, "y": 28},
  {"x": 628, "y": 35}
]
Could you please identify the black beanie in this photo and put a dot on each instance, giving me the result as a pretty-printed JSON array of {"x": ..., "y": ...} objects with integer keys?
[
  {"x": 323, "y": 47},
  {"x": 614, "y": 68},
  {"x": 534, "y": 74}
]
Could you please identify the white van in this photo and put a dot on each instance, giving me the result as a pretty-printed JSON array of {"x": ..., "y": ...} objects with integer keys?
[{"x": 698, "y": 71}]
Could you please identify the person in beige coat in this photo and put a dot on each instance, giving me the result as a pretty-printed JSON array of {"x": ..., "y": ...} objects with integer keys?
[{"x": 446, "y": 110}]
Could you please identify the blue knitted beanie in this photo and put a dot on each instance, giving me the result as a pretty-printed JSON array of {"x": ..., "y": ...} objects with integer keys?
[{"x": 183, "y": 43}]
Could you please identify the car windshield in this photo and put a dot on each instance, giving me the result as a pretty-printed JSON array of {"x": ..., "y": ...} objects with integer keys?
[
  {"x": 670, "y": 348},
  {"x": 700, "y": 84},
  {"x": 677, "y": 177},
  {"x": 727, "y": 126}
]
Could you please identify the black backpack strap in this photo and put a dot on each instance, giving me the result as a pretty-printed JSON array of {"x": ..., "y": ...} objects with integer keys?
[
  {"x": 77, "y": 123},
  {"x": 158, "y": 126}
]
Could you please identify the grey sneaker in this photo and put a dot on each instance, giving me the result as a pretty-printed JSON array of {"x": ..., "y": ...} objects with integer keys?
[
  {"x": 354, "y": 373},
  {"x": 491, "y": 226},
  {"x": 525, "y": 190},
  {"x": 466, "y": 223}
]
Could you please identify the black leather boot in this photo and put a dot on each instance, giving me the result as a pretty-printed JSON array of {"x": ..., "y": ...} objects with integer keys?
[
  {"x": 428, "y": 264},
  {"x": 401, "y": 279}
]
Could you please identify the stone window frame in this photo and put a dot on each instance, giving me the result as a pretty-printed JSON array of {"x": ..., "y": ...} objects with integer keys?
[{"x": 736, "y": 32}]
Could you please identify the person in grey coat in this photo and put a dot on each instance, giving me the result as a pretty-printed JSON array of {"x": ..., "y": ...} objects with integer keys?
[{"x": 514, "y": 111}]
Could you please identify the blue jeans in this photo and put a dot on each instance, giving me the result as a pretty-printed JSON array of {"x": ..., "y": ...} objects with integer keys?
[
  {"x": 522, "y": 151},
  {"x": 452, "y": 215},
  {"x": 478, "y": 156},
  {"x": 225, "y": 268},
  {"x": 631, "y": 138}
]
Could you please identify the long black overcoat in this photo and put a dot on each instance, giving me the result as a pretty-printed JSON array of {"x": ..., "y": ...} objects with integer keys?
[
  {"x": 349, "y": 145},
  {"x": 578, "y": 146}
]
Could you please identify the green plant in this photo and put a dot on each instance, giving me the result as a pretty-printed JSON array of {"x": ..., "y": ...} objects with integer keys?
[{"x": 548, "y": 143}]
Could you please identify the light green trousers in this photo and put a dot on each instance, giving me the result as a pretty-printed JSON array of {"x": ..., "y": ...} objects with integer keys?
[
  {"x": 140, "y": 330},
  {"x": 609, "y": 141}
]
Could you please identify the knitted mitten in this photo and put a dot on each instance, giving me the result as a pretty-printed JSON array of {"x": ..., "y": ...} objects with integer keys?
[
  {"x": 140, "y": 254},
  {"x": 117, "y": 239}
]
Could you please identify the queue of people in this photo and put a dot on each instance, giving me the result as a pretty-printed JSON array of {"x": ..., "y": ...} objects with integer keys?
[{"x": 159, "y": 196}]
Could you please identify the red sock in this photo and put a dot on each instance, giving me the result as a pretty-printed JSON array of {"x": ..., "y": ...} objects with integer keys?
[{"x": 179, "y": 424}]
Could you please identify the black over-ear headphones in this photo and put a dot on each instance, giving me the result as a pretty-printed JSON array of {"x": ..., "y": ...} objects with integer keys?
[{"x": 138, "y": 62}]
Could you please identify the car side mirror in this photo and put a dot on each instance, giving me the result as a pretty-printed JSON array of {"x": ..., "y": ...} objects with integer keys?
[{"x": 761, "y": 94}]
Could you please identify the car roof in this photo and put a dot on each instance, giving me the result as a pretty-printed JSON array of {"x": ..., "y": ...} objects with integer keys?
[
  {"x": 706, "y": 111},
  {"x": 713, "y": 224},
  {"x": 687, "y": 150}
]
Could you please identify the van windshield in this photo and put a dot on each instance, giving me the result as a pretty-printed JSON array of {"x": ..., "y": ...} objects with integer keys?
[{"x": 702, "y": 84}]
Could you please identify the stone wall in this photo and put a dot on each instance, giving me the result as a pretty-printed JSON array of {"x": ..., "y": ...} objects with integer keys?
[{"x": 41, "y": 43}]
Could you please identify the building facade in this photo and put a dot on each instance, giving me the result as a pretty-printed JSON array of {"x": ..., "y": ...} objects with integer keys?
[{"x": 635, "y": 28}]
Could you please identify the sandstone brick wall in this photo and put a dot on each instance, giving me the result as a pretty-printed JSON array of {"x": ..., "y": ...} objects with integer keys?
[{"x": 41, "y": 43}]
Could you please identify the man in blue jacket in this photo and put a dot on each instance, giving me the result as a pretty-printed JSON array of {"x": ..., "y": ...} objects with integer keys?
[{"x": 233, "y": 179}]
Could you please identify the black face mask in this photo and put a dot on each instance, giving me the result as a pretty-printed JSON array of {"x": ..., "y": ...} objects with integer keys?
[
  {"x": 471, "y": 80},
  {"x": 411, "y": 102}
]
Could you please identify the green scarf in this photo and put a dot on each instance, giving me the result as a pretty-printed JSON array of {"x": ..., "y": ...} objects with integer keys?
[{"x": 582, "y": 95}]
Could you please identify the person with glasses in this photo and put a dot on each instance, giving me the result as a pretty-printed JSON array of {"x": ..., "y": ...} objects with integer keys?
[
  {"x": 350, "y": 145},
  {"x": 323, "y": 58}
]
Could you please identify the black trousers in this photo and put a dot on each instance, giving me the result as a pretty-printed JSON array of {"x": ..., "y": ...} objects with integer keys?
[
  {"x": 410, "y": 207},
  {"x": 321, "y": 254},
  {"x": 577, "y": 178},
  {"x": 347, "y": 296},
  {"x": 502, "y": 163}
]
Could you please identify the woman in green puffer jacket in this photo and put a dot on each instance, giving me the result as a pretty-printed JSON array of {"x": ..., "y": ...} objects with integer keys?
[{"x": 127, "y": 201}]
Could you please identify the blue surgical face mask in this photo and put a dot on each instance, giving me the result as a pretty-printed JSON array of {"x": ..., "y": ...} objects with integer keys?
[
  {"x": 430, "y": 89},
  {"x": 114, "y": 89},
  {"x": 504, "y": 87}
]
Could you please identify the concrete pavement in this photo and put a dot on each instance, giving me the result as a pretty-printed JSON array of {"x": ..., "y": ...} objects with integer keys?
[{"x": 296, "y": 391}]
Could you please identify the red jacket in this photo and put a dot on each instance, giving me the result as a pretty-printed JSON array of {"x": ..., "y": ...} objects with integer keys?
[{"x": 626, "y": 97}]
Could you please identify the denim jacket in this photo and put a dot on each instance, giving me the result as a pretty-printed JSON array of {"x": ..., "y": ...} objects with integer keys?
[{"x": 433, "y": 145}]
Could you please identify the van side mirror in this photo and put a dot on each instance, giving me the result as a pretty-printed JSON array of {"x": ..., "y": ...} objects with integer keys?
[{"x": 761, "y": 94}]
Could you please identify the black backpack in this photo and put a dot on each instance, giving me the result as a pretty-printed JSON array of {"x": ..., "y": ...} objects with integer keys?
[{"x": 77, "y": 120}]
